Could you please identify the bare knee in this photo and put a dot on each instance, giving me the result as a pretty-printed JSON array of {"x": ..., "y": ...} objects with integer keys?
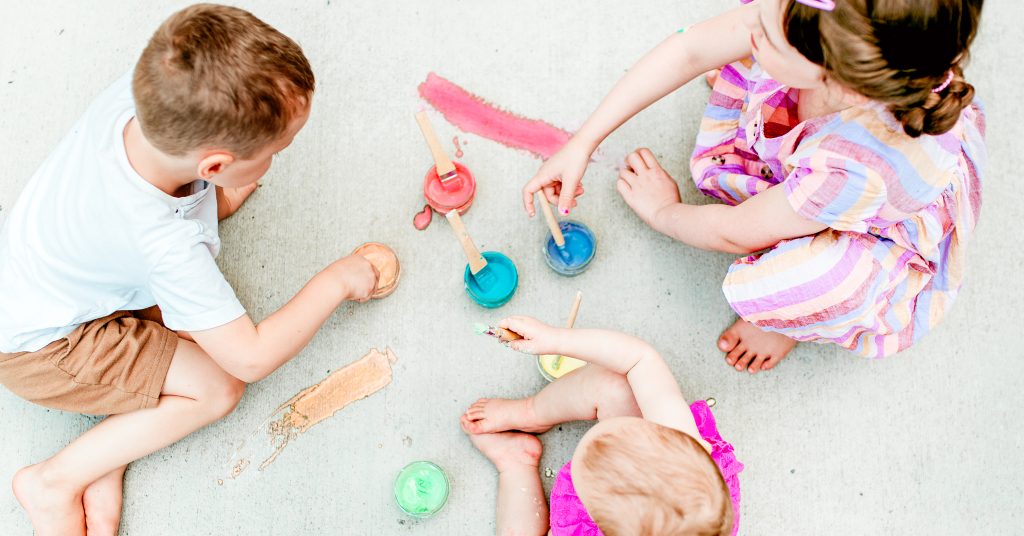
[
  {"x": 614, "y": 395},
  {"x": 105, "y": 523},
  {"x": 222, "y": 396}
]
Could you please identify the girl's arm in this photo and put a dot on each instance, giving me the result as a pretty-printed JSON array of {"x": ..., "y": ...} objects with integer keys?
[
  {"x": 677, "y": 60},
  {"x": 755, "y": 224},
  {"x": 654, "y": 387}
]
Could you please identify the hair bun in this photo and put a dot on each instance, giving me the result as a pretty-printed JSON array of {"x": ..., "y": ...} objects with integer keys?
[{"x": 940, "y": 111}]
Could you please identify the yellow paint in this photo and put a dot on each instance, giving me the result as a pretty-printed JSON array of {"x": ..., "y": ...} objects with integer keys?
[{"x": 547, "y": 366}]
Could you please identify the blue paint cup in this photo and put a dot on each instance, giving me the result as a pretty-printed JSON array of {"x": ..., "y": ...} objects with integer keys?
[
  {"x": 495, "y": 285},
  {"x": 579, "y": 250}
]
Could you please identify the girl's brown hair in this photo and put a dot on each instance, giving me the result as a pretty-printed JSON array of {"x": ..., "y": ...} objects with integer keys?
[{"x": 895, "y": 52}]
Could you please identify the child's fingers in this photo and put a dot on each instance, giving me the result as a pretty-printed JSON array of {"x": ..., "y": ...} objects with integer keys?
[
  {"x": 648, "y": 157},
  {"x": 532, "y": 186},
  {"x": 550, "y": 194},
  {"x": 623, "y": 188},
  {"x": 565, "y": 197},
  {"x": 628, "y": 176},
  {"x": 522, "y": 345},
  {"x": 636, "y": 162}
]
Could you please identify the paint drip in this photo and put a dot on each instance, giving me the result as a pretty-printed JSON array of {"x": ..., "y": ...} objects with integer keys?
[
  {"x": 423, "y": 218},
  {"x": 474, "y": 115},
  {"x": 312, "y": 405},
  {"x": 458, "y": 148}
]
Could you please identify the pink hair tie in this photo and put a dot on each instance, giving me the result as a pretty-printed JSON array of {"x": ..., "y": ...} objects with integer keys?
[
  {"x": 949, "y": 80},
  {"x": 825, "y": 5}
]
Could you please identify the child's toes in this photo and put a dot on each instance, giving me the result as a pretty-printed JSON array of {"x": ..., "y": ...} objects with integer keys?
[
  {"x": 744, "y": 361},
  {"x": 757, "y": 364},
  {"x": 770, "y": 362},
  {"x": 728, "y": 341},
  {"x": 734, "y": 355}
]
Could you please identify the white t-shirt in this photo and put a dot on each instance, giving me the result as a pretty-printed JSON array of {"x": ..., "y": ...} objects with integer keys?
[{"x": 89, "y": 236}]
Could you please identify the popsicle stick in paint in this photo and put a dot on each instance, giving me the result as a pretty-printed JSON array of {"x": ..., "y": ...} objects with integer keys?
[
  {"x": 556, "y": 363},
  {"x": 549, "y": 216},
  {"x": 445, "y": 168},
  {"x": 477, "y": 263}
]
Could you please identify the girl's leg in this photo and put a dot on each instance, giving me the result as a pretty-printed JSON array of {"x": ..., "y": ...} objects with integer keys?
[
  {"x": 196, "y": 392},
  {"x": 522, "y": 507},
  {"x": 588, "y": 393}
]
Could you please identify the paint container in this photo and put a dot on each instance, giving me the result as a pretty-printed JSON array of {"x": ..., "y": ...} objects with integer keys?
[
  {"x": 575, "y": 256},
  {"x": 499, "y": 284},
  {"x": 421, "y": 489},
  {"x": 552, "y": 368},
  {"x": 385, "y": 261},
  {"x": 456, "y": 194}
]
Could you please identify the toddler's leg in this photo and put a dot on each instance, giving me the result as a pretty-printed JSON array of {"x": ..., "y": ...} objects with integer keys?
[
  {"x": 522, "y": 508},
  {"x": 588, "y": 393},
  {"x": 196, "y": 392}
]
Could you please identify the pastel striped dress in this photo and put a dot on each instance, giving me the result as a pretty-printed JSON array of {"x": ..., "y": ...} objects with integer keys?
[{"x": 900, "y": 211}]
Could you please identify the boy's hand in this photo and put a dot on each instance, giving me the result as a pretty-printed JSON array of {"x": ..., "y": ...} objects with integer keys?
[
  {"x": 559, "y": 178},
  {"x": 538, "y": 337},
  {"x": 646, "y": 187},
  {"x": 229, "y": 200},
  {"x": 357, "y": 275}
]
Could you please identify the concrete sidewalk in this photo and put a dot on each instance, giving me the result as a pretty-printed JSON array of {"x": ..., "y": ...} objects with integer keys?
[{"x": 924, "y": 443}]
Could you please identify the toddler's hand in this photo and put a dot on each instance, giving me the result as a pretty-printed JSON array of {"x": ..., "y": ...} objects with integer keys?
[
  {"x": 538, "y": 337},
  {"x": 646, "y": 186},
  {"x": 357, "y": 275},
  {"x": 559, "y": 178}
]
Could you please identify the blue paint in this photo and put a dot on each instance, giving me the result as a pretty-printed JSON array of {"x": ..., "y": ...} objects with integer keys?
[
  {"x": 579, "y": 250},
  {"x": 495, "y": 285}
]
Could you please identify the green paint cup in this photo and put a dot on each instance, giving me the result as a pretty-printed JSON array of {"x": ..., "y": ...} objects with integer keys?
[{"x": 421, "y": 489}]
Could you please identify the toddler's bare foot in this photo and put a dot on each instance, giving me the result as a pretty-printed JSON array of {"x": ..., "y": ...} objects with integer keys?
[
  {"x": 53, "y": 510},
  {"x": 646, "y": 187},
  {"x": 507, "y": 450},
  {"x": 749, "y": 347},
  {"x": 489, "y": 415},
  {"x": 102, "y": 502},
  {"x": 229, "y": 200}
]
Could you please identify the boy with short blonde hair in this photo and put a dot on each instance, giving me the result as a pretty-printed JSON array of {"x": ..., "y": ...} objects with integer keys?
[{"x": 112, "y": 302}]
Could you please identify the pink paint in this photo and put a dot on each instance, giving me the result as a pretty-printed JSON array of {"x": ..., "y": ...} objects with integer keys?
[
  {"x": 422, "y": 219},
  {"x": 458, "y": 148},
  {"x": 472, "y": 114}
]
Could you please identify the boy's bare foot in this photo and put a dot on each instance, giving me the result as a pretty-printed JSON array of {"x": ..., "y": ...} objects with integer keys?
[
  {"x": 102, "y": 502},
  {"x": 490, "y": 415},
  {"x": 749, "y": 347},
  {"x": 646, "y": 187},
  {"x": 507, "y": 450},
  {"x": 52, "y": 510},
  {"x": 229, "y": 200}
]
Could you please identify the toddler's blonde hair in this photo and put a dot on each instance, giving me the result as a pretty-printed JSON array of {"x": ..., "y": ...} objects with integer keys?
[{"x": 644, "y": 479}]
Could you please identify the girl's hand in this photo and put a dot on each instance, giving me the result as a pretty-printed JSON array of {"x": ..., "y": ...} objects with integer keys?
[
  {"x": 357, "y": 276},
  {"x": 646, "y": 187},
  {"x": 560, "y": 178},
  {"x": 538, "y": 337}
]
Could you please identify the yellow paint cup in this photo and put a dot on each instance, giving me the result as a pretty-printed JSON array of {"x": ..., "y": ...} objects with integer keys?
[{"x": 553, "y": 367}]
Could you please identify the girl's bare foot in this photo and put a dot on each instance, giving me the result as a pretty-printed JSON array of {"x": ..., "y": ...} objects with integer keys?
[
  {"x": 507, "y": 450},
  {"x": 53, "y": 510},
  {"x": 712, "y": 76},
  {"x": 102, "y": 503},
  {"x": 490, "y": 415},
  {"x": 229, "y": 200},
  {"x": 749, "y": 347}
]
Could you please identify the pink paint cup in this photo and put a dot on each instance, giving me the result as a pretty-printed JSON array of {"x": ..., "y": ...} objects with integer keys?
[{"x": 456, "y": 194}]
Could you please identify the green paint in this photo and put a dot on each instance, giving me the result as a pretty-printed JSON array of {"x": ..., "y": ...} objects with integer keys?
[{"x": 421, "y": 489}]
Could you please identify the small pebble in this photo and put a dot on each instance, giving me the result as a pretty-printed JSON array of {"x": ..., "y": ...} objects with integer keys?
[
  {"x": 711, "y": 402},
  {"x": 548, "y": 472}
]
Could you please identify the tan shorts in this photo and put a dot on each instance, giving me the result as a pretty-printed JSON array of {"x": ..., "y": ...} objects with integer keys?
[{"x": 113, "y": 364}]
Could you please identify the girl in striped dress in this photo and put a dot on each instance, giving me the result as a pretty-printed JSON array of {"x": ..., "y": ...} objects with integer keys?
[{"x": 846, "y": 148}]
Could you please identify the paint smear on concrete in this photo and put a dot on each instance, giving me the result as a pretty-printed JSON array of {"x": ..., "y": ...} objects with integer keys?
[
  {"x": 312, "y": 405},
  {"x": 473, "y": 114}
]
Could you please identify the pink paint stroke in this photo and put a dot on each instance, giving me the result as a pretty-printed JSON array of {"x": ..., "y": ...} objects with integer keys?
[{"x": 472, "y": 114}]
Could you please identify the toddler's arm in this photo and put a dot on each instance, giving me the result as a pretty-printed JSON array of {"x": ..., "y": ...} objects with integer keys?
[
  {"x": 677, "y": 60},
  {"x": 251, "y": 352},
  {"x": 654, "y": 387}
]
